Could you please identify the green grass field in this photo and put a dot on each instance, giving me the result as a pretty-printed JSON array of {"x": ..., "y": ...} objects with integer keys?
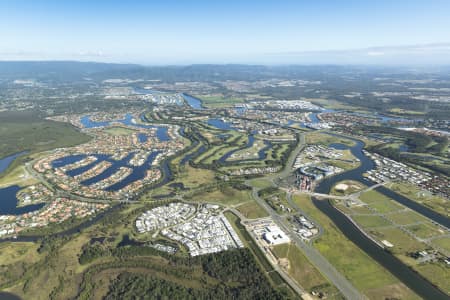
[
  {"x": 438, "y": 204},
  {"x": 366, "y": 275},
  {"x": 333, "y": 104},
  {"x": 443, "y": 243},
  {"x": 194, "y": 177},
  {"x": 14, "y": 252},
  {"x": 260, "y": 183},
  {"x": 401, "y": 111},
  {"x": 302, "y": 271},
  {"x": 407, "y": 217},
  {"x": 224, "y": 196},
  {"x": 25, "y": 131},
  {"x": 315, "y": 137},
  {"x": 251, "y": 210},
  {"x": 361, "y": 209},
  {"x": 380, "y": 202},
  {"x": 425, "y": 230},
  {"x": 217, "y": 101},
  {"x": 407, "y": 239},
  {"x": 370, "y": 221},
  {"x": 403, "y": 243},
  {"x": 22, "y": 131}
]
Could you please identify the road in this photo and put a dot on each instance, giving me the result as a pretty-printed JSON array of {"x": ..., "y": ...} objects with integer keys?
[
  {"x": 299, "y": 210},
  {"x": 320, "y": 262},
  {"x": 287, "y": 278},
  {"x": 344, "y": 286}
]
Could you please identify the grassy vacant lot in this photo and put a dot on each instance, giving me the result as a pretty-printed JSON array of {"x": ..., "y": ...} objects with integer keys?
[
  {"x": 406, "y": 217},
  {"x": 363, "y": 209},
  {"x": 22, "y": 131},
  {"x": 25, "y": 131},
  {"x": 443, "y": 243},
  {"x": 401, "y": 111},
  {"x": 14, "y": 252},
  {"x": 436, "y": 272},
  {"x": 425, "y": 230},
  {"x": 260, "y": 183},
  {"x": 58, "y": 271},
  {"x": 435, "y": 203},
  {"x": 315, "y": 137},
  {"x": 403, "y": 243},
  {"x": 194, "y": 177},
  {"x": 370, "y": 221},
  {"x": 252, "y": 210},
  {"x": 380, "y": 202},
  {"x": 303, "y": 271},
  {"x": 53, "y": 271},
  {"x": 367, "y": 275},
  {"x": 119, "y": 130},
  {"x": 190, "y": 177},
  {"x": 225, "y": 196},
  {"x": 217, "y": 101},
  {"x": 334, "y": 104}
]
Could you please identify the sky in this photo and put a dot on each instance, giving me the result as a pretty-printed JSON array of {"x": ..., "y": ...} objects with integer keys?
[{"x": 255, "y": 32}]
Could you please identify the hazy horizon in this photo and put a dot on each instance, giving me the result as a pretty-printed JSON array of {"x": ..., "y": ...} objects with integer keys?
[{"x": 253, "y": 32}]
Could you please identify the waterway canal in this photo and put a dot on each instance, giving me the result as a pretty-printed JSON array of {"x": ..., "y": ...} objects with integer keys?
[
  {"x": 409, "y": 277},
  {"x": 8, "y": 199}
]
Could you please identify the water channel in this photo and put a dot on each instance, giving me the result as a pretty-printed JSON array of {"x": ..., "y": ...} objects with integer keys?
[
  {"x": 161, "y": 131},
  {"x": 138, "y": 172},
  {"x": 193, "y": 102},
  {"x": 409, "y": 277},
  {"x": 8, "y": 195}
]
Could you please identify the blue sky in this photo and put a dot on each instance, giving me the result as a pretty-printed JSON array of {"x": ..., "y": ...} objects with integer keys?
[{"x": 266, "y": 32}]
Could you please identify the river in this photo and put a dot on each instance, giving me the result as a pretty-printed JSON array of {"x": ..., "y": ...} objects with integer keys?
[
  {"x": 326, "y": 184},
  {"x": 221, "y": 124},
  {"x": 405, "y": 274},
  {"x": 193, "y": 102},
  {"x": 8, "y": 195},
  {"x": 7, "y": 161}
]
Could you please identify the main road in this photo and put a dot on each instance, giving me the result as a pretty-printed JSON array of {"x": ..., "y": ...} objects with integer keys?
[{"x": 320, "y": 262}]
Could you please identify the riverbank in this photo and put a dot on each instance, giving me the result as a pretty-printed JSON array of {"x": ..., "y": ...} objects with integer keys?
[{"x": 414, "y": 281}]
